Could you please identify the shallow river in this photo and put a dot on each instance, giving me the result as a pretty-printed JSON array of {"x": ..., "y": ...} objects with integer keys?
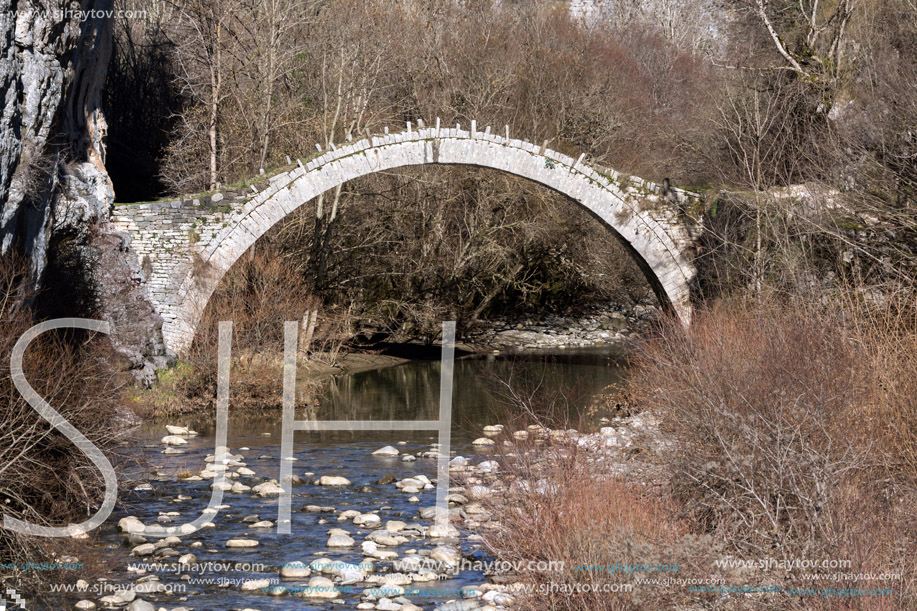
[{"x": 404, "y": 392}]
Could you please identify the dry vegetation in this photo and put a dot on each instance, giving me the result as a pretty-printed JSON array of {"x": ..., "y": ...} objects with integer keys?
[
  {"x": 44, "y": 478},
  {"x": 794, "y": 429}
]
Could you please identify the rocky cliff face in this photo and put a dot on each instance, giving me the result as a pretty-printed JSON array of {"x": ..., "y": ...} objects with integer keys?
[{"x": 55, "y": 195}]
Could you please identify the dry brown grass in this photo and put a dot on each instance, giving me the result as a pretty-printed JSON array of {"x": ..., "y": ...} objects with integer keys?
[
  {"x": 561, "y": 506},
  {"x": 795, "y": 434}
]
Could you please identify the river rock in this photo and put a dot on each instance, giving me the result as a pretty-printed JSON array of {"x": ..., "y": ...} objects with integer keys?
[
  {"x": 141, "y": 605},
  {"x": 239, "y": 487},
  {"x": 459, "y": 605},
  {"x": 268, "y": 489},
  {"x": 340, "y": 540},
  {"x": 119, "y": 598},
  {"x": 255, "y": 584},
  {"x": 383, "y": 537},
  {"x": 332, "y": 480},
  {"x": 295, "y": 570},
  {"x": 85, "y": 605},
  {"x": 320, "y": 587},
  {"x": 174, "y": 440},
  {"x": 130, "y": 524},
  {"x": 350, "y": 573},
  {"x": 483, "y": 441},
  {"x": 143, "y": 550},
  {"x": 368, "y": 520},
  {"x": 442, "y": 531},
  {"x": 447, "y": 555},
  {"x": 322, "y": 565},
  {"x": 386, "y": 451},
  {"x": 241, "y": 543},
  {"x": 389, "y": 589},
  {"x": 180, "y": 430}
]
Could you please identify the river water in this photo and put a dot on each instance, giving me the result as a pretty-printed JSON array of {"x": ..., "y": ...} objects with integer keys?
[{"x": 569, "y": 381}]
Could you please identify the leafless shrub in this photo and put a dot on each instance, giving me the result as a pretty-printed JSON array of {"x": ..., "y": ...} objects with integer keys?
[
  {"x": 784, "y": 431},
  {"x": 44, "y": 478}
]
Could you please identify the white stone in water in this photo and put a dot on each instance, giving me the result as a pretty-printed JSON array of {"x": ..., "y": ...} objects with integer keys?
[
  {"x": 521, "y": 435},
  {"x": 383, "y": 537},
  {"x": 180, "y": 430},
  {"x": 368, "y": 520},
  {"x": 263, "y": 524},
  {"x": 241, "y": 542},
  {"x": 413, "y": 499},
  {"x": 174, "y": 440},
  {"x": 385, "y": 604},
  {"x": 446, "y": 554},
  {"x": 187, "y": 559},
  {"x": 239, "y": 487},
  {"x": 268, "y": 489},
  {"x": 144, "y": 549},
  {"x": 483, "y": 441},
  {"x": 458, "y": 461},
  {"x": 245, "y": 472},
  {"x": 322, "y": 565},
  {"x": 131, "y": 524},
  {"x": 255, "y": 584},
  {"x": 488, "y": 466},
  {"x": 221, "y": 486},
  {"x": 295, "y": 570},
  {"x": 608, "y": 431},
  {"x": 446, "y": 531},
  {"x": 85, "y": 605},
  {"x": 493, "y": 428},
  {"x": 408, "y": 458},
  {"x": 386, "y": 451},
  {"x": 320, "y": 587},
  {"x": 410, "y": 489},
  {"x": 349, "y": 573},
  {"x": 389, "y": 589},
  {"x": 340, "y": 540},
  {"x": 332, "y": 480},
  {"x": 348, "y": 515}
]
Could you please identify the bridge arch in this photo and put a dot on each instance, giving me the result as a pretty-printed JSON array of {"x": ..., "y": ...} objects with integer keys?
[{"x": 186, "y": 247}]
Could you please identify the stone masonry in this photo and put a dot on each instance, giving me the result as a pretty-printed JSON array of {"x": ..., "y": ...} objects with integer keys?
[{"x": 186, "y": 246}]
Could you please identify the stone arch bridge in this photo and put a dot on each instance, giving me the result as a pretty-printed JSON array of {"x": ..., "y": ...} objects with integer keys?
[{"x": 186, "y": 246}]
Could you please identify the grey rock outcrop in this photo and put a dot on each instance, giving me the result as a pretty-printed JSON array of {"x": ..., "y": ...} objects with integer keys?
[{"x": 55, "y": 194}]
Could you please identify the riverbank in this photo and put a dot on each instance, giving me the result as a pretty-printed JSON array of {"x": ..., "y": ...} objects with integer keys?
[{"x": 187, "y": 388}]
